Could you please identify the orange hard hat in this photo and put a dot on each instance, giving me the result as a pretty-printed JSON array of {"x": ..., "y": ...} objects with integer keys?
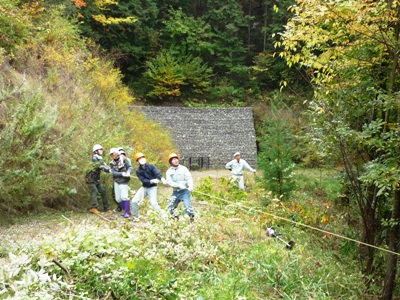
[
  {"x": 139, "y": 155},
  {"x": 172, "y": 155}
]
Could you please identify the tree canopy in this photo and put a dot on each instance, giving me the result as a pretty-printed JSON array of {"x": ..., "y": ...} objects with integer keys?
[{"x": 351, "y": 50}]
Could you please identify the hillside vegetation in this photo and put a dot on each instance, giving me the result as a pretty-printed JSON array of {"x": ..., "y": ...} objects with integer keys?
[
  {"x": 58, "y": 99},
  {"x": 225, "y": 254}
]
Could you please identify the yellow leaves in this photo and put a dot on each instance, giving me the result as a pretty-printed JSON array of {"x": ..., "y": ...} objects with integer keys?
[
  {"x": 325, "y": 219},
  {"x": 111, "y": 20},
  {"x": 107, "y": 81},
  {"x": 331, "y": 37},
  {"x": 103, "y": 4}
]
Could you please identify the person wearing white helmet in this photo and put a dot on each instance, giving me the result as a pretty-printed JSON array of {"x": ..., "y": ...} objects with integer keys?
[
  {"x": 93, "y": 180},
  {"x": 237, "y": 166},
  {"x": 123, "y": 153},
  {"x": 121, "y": 169},
  {"x": 181, "y": 181},
  {"x": 149, "y": 176}
]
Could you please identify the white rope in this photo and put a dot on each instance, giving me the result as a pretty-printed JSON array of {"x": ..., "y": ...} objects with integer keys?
[{"x": 298, "y": 223}]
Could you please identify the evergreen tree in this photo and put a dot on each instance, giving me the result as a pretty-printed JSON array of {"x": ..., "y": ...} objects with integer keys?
[{"x": 276, "y": 157}]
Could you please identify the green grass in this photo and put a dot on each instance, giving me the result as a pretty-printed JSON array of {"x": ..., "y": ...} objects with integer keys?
[{"x": 224, "y": 255}]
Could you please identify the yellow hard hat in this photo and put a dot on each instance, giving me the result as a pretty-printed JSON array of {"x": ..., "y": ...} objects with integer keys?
[
  {"x": 172, "y": 155},
  {"x": 139, "y": 155}
]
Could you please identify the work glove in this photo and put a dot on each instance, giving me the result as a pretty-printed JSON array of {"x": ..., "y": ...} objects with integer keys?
[
  {"x": 254, "y": 170},
  {"x": 190, "y": 189},
  {"x": 181, "y": 186},
  {"x": 154, "y": 181},
  {"x": 126, "y": 174},
  {"x": 164, "y": 181},
  {"x": 105, "y": 168}
]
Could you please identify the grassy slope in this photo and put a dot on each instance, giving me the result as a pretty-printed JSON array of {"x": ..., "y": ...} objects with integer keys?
[{"x": 225, "y": 255}]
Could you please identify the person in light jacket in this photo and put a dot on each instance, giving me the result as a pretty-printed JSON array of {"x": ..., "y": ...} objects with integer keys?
[
  {"x": 149, "y": 176},
  {"x": 181, "y": 181},
  {"x": 121, "y": 169},
  {"x": 237, "y": 166}
]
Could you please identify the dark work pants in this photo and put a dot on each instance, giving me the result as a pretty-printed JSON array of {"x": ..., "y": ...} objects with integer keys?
[{"x": 95, "y": 189}]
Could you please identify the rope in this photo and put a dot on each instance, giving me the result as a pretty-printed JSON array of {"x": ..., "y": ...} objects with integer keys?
[{"x": 298, "y": 223}]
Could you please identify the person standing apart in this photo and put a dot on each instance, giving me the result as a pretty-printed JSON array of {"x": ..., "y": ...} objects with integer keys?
[
  {"x": 181, "y": 181},
  {"x": 121, "y": 169},
  {"x": 149, "y": 176},
  {"x": 93, "y": 180},
  {"x": 237, "y": 166}
]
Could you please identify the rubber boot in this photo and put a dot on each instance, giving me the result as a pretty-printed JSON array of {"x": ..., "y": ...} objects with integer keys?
[
  {"x": 122, "y": 207},
  {"x": 127, "y": 207}
]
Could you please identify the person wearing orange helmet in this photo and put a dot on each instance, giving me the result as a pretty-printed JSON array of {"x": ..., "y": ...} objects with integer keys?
[
  {"x": 149, "y": 176},
  {"x": 181, "y": 181}
]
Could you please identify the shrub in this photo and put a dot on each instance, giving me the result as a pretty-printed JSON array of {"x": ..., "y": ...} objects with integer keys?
[{"x": 275, "y": 159}]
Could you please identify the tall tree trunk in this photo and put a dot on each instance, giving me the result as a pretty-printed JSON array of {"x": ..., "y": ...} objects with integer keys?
[
  {"x": 393, "y": 242},
  {"x": 394, "y": 231},
  {"x": 368, "y": 213}
]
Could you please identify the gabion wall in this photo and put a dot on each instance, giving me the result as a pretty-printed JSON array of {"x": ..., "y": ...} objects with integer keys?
[{"x": 211, "y": 133}]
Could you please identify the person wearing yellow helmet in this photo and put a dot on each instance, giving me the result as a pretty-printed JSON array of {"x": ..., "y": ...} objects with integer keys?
[
  {"x": 121, "y": 169},
  {"x": 149, "y": 176},
  {"x": 181, "y": 181},
  {"x": 94, "y": 183}
]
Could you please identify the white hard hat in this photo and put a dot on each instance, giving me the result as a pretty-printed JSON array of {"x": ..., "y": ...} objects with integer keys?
[
  {"x": 236, "y": 153},
  {"x": 121, "y": 150},
  {"x": 114, "y": 150},
  {"x": 97, "y": 147}
]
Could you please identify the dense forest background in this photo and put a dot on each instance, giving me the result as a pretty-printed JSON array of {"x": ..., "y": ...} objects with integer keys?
[
  {"x": 221, "y": 51},
  {"x": 322, "y": 78}
]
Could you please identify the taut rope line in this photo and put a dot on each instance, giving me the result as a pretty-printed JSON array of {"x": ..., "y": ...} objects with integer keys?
[{"x": 298, "y": 223}]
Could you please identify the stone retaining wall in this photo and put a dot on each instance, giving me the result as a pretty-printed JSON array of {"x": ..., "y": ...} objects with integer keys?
[{"x": 211, "y": 133}]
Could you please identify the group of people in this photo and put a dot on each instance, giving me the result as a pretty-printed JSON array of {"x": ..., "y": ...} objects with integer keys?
[{"x": 178, "y": 178}]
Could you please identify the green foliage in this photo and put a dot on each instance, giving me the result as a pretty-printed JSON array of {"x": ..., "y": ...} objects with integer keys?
[
  {"x": 15, "y": 24},
  {"x": 165, "y": 76},
  {"x": 226, "y": 190},
  {"x": 168, "y": 76},
  {"x": 128, "y": 43},
  {"x": 31, "y": 174},
  {"x": 226, "y": 36},
  {"x": 172, "y": 260},
  {"x": 197, "y": 75},
  {"x": 351, "y": 51},
  {"x": 276, "y": 155},
  {"x": 223, "y": 255},
  {"x": 185, "y": 35},
  {"x": 227, "y": 19},
  {"x": 225, "y": 92}
]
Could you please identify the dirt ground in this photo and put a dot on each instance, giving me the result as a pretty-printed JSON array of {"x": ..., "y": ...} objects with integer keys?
[{"x": 32, "y": 229}]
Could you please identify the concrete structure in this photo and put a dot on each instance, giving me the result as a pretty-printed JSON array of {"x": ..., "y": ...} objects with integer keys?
[{"x": 212, "y": 134}]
